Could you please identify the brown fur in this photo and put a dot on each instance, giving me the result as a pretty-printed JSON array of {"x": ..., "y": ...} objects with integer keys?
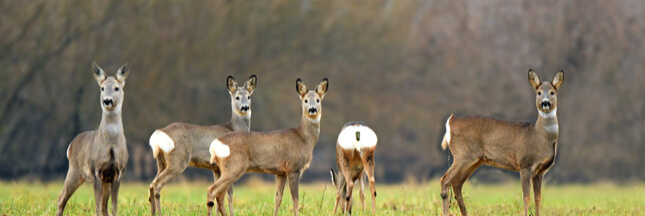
[
  {"x": 528, "y": 148},
  {"x": 100, "y": 156},
  {"x": 192, "y": 143},
  {"x": 353, "y": 166},
  {"x": 285, "y": 153}
]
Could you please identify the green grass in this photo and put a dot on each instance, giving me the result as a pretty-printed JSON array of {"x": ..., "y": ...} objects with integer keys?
[{"x": 19, "y": 198}]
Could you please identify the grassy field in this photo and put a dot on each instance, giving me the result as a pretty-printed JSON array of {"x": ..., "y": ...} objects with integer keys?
[{"x": 18, "y": 198}]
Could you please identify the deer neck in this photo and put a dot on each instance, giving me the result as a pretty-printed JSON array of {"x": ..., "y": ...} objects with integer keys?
[
  {"x": 547, "y": 123},
  {"x": 310, "y": 130},
  {"x": 111, "y": 124},
  {"x": 240, "y": 123}
]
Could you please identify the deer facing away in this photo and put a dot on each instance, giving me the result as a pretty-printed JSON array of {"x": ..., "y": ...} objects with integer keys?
[
  {"x": 100, "y": 156},
  {"x": 354, "y": 160},
  {"x": 284, "y": 153},
  {"x": 528, "y": 148},
  {"x": 179, "y": 145}
]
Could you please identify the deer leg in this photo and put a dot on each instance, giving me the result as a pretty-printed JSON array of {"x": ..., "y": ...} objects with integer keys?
[
  {"x": 230, "y": 172},
  {"x": 105, "y": 196},
  {"x": 280, "y": 181},
  {"x": 97, "y": 195},
  {"x": 114, "y": 193},
  {"x": 72, "y": 182},
  {"x": 369, "y": 171},
  {"x": 340, "y": 192},
  {"x": 294, "y": 182},
  {"x": 458, "y": 184},
  {"x": 537, "y": 192},
  {"x": 446, "y": 182},
  {"x": 525, "y": 176},
  {"x": 361, "y": 194},
  {"x": 164, "y": 177},
  {"x": 216, "y": 175},
  {"x": 161, "y": 166}
]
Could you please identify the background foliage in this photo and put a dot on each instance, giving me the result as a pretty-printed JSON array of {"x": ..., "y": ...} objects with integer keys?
[{"x": 400, "y": 66}]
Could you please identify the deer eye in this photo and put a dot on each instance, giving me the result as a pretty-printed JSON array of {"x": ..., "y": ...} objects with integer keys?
[
  {"x": 116, "y": 89},
  {"x": 306, "y": 101},
  {"x": 102, "y": 89},
  {"x": 237, "y": 98},
  {"x": 539, "y": 93},
  {"x": 552, "y": 93},
  {"x": 317, "y": 100},
  {"x": 248, "y": 97}
]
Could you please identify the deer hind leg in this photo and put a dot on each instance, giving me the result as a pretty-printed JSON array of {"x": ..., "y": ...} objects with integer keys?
[
  {"x": 231, "y": 172},
  {"x": 229, "y": 193},
  {"x": 368, "y": 163},
  {"x": 161, "y": 166},
  {"x": 280, "y": 181},
  {"x": 458, "y": 183},
  {"x": 72, "y": 182},
  {"x": 525, "y": 176},
  {"x": 361, "y": 194},
  {"x": 165, "y": 176},
  {"x": 537, "y": 192},
  {"x": 446, "y": 183}
]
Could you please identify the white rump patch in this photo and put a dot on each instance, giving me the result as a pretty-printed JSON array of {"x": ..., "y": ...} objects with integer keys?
[
  {"x": 70, "y": 145},
  {"x": 161, "y": 140},
  {"x": 347, "y": 137},
  {"x": 447, "y": 136},
  {"x": 219, "y": 149},
  {"x": 551, "y": 114}
]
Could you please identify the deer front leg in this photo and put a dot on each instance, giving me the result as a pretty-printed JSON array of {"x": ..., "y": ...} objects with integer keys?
[
  {"x": 72, "y": 182},
  {"x": 114, "y": 193},
  {"x": 537, "y": 192},
  {"x": 525, "y": 177},
  {"x": 294, "y": 182},
  {"x": 97, "y": 195},
  {"x": 280, "y": 181}
]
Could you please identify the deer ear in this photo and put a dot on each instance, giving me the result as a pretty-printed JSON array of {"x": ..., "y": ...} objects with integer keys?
[
  {"x": 250, "y": 84},
  {"x": 534, "y": 80},
  {"x": 122, "y": 74},
  {"x": 558, "y": 79},
  {"x": 231, "y": 85},
  {"x": 99, "y": 75},
  {"x": 321, "y": 89},
  {"x": 301, "y": 88}
]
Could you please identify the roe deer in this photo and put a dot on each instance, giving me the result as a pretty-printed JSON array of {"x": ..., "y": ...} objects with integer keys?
[
  {"x": 180, "y": 145},
  {"x": 285, "y": 153},
  {"x": 526, "y": 147},
  {"x": 354, "y": 160},
  {"x": 100, "y": 156}
]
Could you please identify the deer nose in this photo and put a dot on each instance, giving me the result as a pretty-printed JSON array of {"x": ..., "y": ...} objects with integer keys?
[
  {"x": 108, "y": 102},
  {"x": 245, "y": 108},
  {"x": 546, "y": 103},
  {"x": 313, "y": 111}
]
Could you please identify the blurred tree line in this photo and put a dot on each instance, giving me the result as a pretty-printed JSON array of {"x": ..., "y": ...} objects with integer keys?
[{"x": 401, "y": 66}]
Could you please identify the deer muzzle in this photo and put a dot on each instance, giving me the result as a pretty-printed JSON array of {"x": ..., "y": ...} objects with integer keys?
[
  {"x": 313, "y": 111},
  {"x": 245, "y": 108},
  {"x": 108, "y": 102},
  {"x": 546, "y": 105}
]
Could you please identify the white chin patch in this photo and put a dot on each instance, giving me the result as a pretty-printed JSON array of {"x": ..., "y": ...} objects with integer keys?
[
  {"x": 551, "y": 114},
  {"x": 219, "y": 149},
  {"x": 161, "y": 140},
  {"x": 347, "y": 139},
  {"x": 315, "y": 120}
]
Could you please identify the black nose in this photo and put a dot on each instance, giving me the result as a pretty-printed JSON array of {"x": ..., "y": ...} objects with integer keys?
[
  {"x": 245, "y": 108},
  {"x": 313, "y": 110},
  {"x": 546, "y": 103},
  {"x": 108, "y": 102}
]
